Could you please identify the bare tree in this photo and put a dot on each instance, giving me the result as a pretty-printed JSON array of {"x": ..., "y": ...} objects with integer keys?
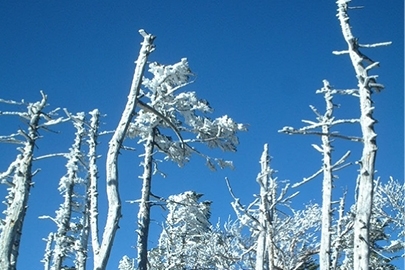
[
  {"x": 71, "y": 219},
  {"x": 101, "y": 250},
  {"x": 282, "y": 241},
  {"x": 18, "y": 176},
  {"x": 323, "y": 128},
  {"x": 367, "y": 84}
]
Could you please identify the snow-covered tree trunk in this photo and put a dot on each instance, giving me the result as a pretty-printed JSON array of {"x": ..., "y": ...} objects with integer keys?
[
  {"x": 340, "y": 233},
  {"x": 325, "y": 248},
  {"x": 48, "y": 252},
  {"x": 265, "y": 248},
  {"x": 69, "y": 242},
  {"x": 63, "y": 241},
  {"x": 90, "y": 216},
  {"x": 366, "y": 83},
  {"x": 261, "y": 253},
  {"x": 325, "y": 123},
  {"x": 92, "y": 179},
  {"x": 261, "y": 249},
  {"x": 17, "y": 199},
  {"x": 144, "y": 205},
  {"x": 102, "y": 254},
  {"x": 83, "y": 240},
  {"x": 288, "y": 241}
]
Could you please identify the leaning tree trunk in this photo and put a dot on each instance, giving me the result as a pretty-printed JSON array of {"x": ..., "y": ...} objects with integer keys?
[
  {"x": 361, "y": 252},
  {"x": 144, "y": 205},
  {"x": 102, "y": 252},
  {"x": 17, "y": 199}
]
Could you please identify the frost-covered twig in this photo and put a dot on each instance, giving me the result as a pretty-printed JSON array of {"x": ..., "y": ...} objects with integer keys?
[
  {"x": 13, "y": 102},
  {"x": 290, "y": 131}
]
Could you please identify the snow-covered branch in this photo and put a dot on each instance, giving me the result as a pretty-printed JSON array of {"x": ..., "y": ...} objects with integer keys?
[{"x": 184, "y": 114}]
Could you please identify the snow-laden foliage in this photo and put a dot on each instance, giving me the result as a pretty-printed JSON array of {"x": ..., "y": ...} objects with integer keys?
[
  {"x": 184, "y": 113},
  {"x": 188, "y": 241},
  {"x": 126, "y": 264},
  {"x": 389, "y": 204},
  {"x": 293, "y": 237},
  {"x": 172, "y": 122}
]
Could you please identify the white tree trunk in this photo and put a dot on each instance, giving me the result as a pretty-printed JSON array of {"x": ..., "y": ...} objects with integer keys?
[
  {"x": 66, "y": 187},
  {"x": 102, "y": 254},
  {"x": 144, "y": 205},
  {"x": 361, "y": 252},
  {"x": 265, "y": 248},
  {"x": 93, "y": 179},
  {"x": 261, "y": 249},
  {"x": 17, "y": 201},
  {"x": 325, "y": 248}
]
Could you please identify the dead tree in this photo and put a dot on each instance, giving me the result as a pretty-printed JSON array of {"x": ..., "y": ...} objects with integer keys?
[
  {"x": 279, "y": 237},
  {"x": 367, "y": 85},
  {"x": 324, "y": 129},
  {"x": 101, "y": 250},
  {"x": 18, "y": 177},
  {"x": 70, "y": 239}
]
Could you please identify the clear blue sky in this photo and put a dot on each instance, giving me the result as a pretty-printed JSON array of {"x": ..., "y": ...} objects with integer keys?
[{"x": 258, "y": 61}]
